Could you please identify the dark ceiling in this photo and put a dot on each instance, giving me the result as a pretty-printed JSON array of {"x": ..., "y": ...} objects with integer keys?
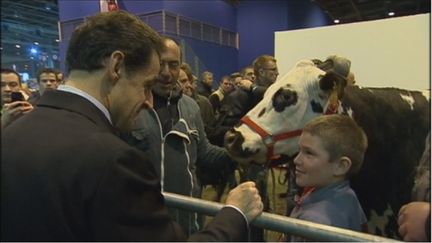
[
  {"x": 29, "y": 33},
  {"x": 348, "y": 11}
]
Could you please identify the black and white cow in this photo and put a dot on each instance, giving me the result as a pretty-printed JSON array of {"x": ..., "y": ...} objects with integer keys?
[{"x": 396, "y": 122}]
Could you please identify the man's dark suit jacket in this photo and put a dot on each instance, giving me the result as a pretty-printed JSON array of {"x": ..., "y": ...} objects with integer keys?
[{"x": 66, "y": 176}]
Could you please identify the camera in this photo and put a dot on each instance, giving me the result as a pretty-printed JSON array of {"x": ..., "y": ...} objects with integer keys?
[{"x": 17, "y": 96}]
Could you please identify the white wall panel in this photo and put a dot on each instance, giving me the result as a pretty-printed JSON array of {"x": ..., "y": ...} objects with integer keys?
[{"x": 394, "y": 52}]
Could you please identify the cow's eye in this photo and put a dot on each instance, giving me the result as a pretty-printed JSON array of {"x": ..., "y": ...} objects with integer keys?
[{"x": 283, "y": 98}]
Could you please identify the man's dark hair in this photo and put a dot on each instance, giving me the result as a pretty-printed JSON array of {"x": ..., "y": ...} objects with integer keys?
[
  {"x": 235, "y": 75},
  {"x": 9, "y": 70},
  {"x": 227, "y": 77},
  {"x": 243, "y": 71},
  {"x": 46, "y": 70},
  {"x": 100, "y": 35},
  {"x": 259, "y": 62},
  {"x": 205, "y": 73}
]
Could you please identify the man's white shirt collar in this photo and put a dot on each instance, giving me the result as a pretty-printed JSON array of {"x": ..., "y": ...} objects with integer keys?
[{"x": 73, "y": 90}]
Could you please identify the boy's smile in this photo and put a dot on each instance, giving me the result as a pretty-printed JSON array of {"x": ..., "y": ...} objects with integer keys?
[{"x": 313, "y": 166}]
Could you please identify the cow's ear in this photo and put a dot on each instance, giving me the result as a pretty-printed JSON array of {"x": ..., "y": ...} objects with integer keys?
[
  {"x": 326, "y": 65},
  {"x": 333, "y": 81}
]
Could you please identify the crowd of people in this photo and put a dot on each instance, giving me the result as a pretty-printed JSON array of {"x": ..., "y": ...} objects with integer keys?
[{"x": 132, "y": 120}]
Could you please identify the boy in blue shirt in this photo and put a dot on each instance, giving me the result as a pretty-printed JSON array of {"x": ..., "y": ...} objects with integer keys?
[{"x": 331, "y": 150}]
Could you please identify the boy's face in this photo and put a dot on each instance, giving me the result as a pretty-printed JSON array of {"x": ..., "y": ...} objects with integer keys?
[{"x": 313, "y": 168}]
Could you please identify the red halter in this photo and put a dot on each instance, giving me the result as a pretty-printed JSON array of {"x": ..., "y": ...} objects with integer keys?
[{"x": 269, "y": 139}]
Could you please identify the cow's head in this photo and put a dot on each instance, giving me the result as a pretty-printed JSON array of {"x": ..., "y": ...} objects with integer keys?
[{"x": 273, "y": 126}]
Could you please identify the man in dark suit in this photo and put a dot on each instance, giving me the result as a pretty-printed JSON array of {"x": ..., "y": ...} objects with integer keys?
[{"x": 66, "y": 176}]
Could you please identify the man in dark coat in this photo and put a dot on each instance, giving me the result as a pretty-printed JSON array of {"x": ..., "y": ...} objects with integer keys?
[
  {"x": 66, "y": 176},
  {"x": 205, "y": 85}
]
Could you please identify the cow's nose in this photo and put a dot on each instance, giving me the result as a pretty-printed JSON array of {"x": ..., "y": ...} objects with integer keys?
[
  {"x": 231, "y": 138},
  {"x": 233, "y": 141}
]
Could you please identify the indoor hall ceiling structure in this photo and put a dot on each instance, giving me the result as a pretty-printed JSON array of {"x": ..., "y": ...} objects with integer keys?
[
  {"x": 29, "y": 30},
  {"x": 348, "y": 11}
]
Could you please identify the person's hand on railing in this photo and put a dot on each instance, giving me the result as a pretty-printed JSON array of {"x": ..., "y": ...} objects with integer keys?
[
  {"x": 414, "y": 221},
  {"x": 245, "y": 84},
  {"x": 246, "y": 198}
]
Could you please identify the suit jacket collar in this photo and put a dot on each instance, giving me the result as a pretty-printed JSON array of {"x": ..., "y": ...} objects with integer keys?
[{"x": 58, "y": 99}]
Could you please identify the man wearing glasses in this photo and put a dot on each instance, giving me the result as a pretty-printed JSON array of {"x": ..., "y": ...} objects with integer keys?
[{"x": 266, "y": 72}]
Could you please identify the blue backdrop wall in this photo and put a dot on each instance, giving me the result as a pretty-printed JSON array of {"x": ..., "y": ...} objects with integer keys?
[
  {"x": 254, "y": 20},
  {"x": 258, "y": 20}
]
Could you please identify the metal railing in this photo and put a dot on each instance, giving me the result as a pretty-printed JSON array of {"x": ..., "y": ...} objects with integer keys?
[
  {"x": 306, "y": 229},
  {"x": 172, "y": 23}
]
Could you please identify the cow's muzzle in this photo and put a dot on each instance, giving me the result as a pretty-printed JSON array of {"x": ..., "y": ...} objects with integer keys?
[{"x": 233, "y": 143}]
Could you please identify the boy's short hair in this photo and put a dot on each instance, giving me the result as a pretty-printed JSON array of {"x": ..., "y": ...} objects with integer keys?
[{"x": 341, "y": 136}]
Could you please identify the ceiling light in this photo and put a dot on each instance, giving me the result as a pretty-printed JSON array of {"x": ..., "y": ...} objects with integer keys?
[
  {"x": 336, "y": 21},
  {"x": 391, "y": 13},
  {"x": 36, "y": 43},
  {"x": 17, "y": 46}
]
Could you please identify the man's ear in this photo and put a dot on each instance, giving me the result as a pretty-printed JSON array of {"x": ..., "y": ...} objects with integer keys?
[
  {"x": 116, "y": 62},
  {"x": 342, "y": 166}
]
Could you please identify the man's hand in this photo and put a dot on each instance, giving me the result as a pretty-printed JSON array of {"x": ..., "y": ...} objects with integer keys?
[
  {"x": 412, "y": 220},
  {"x": 246, "y": 197},
  {"x": 245, "y": 84},
  {"x": 12, "y": 111}
]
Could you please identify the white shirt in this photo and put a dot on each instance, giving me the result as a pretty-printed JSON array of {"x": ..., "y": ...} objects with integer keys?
[{"x": 73, "y": 90}]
